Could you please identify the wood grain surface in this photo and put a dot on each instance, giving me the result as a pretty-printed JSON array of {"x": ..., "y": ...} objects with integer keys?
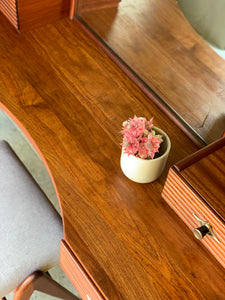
[
  {"x": 73, "y": 99},
  {"x": 200, "y": 154},
  {"x": 90, "y": 5},
  {"x": 156, "y": 41},
  {"x": 207, "y": 177},
  {"x": 35, "y": 13}
]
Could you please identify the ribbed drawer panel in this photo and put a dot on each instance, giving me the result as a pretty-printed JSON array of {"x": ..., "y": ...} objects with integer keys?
[
  {"x": 9, "y": 9},
  {"x": 186, "y": 202},
  {"x": 78, "y": 276}
]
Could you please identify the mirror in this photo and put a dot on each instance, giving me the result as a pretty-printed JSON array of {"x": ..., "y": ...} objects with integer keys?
[{"x": 156, "y": 42}]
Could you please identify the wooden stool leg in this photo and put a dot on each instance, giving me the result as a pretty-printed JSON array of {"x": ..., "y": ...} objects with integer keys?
[
  {"x": 26, "y": 288},
  {"x": 49, "y": 286},
  {"x": 44, "y": 283}
]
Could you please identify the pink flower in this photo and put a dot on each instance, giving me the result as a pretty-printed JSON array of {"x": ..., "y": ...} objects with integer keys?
[
  {"x": 130, "y": 145},
  {"x": 134, "y": 126},
  {"x": 150, "y": 123},
  {"x": 143, "y": 151},
  {"x": 139, "y": 138},
  {"x": 152, "y": 145}
]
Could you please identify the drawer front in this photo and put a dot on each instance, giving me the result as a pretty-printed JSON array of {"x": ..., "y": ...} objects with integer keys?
[
  {"x": 186, "y": 202},
  {"x": 77, "y": 275},
  {"x": 9, "y": 9}
]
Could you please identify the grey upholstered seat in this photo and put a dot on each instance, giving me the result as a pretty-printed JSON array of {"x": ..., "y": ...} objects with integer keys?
[{"x": 30, "y": 230}]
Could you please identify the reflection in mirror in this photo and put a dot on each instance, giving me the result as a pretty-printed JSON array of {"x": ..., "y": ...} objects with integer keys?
[
  {"x": 207, "y": 17},
  {"x": 11, "y": 133},
  {"x": 157, "y": 42}
]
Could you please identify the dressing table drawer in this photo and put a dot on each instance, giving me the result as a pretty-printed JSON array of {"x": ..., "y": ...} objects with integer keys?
[
  {"x": 195, "y": 190},
  {"x": 77, "y": 275},
  {"x": 25, "y": 15},
  {"x": 9, "y": 9}
]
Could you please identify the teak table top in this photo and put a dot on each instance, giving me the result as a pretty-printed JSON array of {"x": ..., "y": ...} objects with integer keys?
[{"x": 73, "y": 99}]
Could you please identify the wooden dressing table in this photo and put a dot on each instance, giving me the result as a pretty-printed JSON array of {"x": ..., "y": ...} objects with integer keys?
[{"x": 122, "y": 240}]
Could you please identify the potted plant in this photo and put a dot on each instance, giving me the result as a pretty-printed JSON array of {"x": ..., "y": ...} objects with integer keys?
[{"x": 145, "y": 149}]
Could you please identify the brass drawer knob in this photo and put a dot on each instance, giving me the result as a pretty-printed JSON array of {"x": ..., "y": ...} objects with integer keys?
[
  {"x": 200, "y": 232},
  {"x": 205, "y": 228}
]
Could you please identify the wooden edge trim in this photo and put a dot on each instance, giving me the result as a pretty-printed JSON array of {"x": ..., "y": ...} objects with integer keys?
[
  {"x": 27, "y": 286},
  {"x": 74, "y": 258},
  {"x": 194, "y": 137},
  {"x": 17, "y": 15},
  {"x": 73, "y": 9},
  {"x": 193, "y": 158},
  {"x": 98, "y": 5},
  {"x": 33, "y": 143}
]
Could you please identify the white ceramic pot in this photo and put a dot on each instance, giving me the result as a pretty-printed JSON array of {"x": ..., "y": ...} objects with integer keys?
[{"x": 146, "y": 170}]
